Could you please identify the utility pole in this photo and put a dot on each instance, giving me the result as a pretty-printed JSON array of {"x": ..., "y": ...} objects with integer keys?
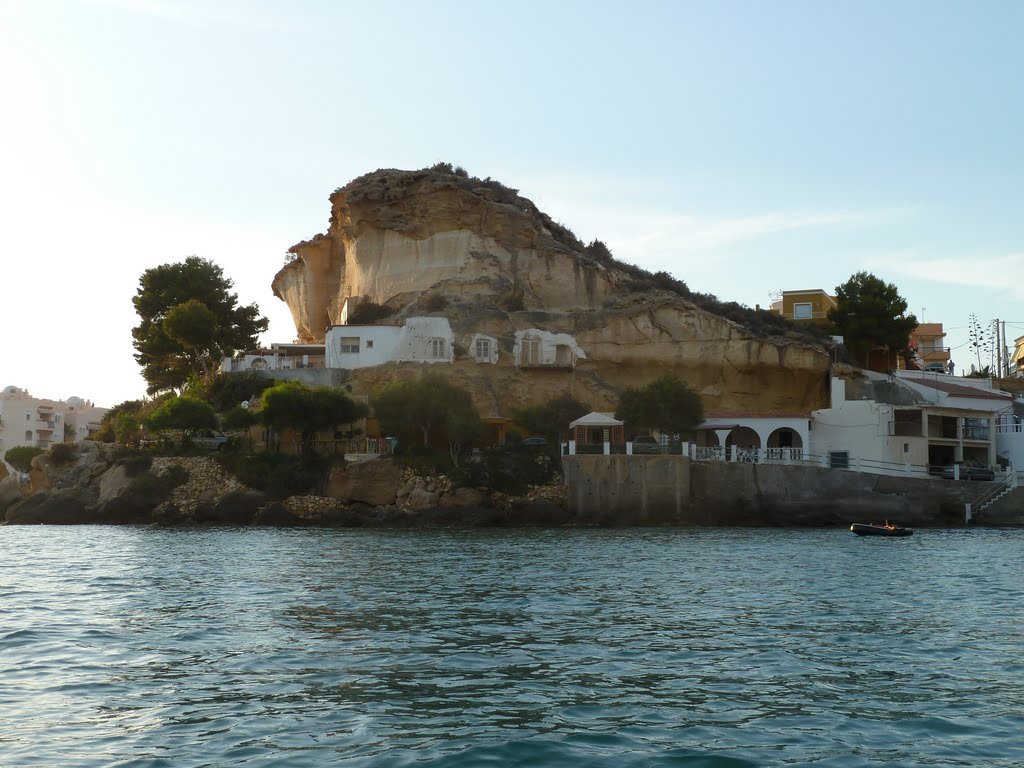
[
  {"x": 1006, "y": 354},
  {"x": 999, "y": 353}
]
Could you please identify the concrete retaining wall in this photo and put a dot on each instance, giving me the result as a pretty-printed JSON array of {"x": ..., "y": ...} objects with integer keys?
[{"x": 653, "y": 490}]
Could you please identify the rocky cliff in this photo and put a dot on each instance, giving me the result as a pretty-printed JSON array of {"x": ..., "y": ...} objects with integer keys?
[{"x": 434, "y": 242}]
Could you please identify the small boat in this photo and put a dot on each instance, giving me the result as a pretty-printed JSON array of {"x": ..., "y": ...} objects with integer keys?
[{"x": 873, "y": 529}]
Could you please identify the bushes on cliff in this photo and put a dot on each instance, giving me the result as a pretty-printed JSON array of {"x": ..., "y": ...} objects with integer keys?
[
  {"x": 279, "y": 475},
  {"x": 62, "y": 453},
  {"x": 551, "y": 418},
  {"x": 225, "y": 392},
  {"x": 667, "y": 404},
  {"x": 307, "y": 410},
  {"x": 428, "y": 411},
  {"x": 20, "y": 457},
  {"x": 507, "y": 470},
  {"x": 368, "y": 312}
]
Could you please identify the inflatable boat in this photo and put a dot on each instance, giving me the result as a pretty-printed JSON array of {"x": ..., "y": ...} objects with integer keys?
[{"x": 873, "y": 529}]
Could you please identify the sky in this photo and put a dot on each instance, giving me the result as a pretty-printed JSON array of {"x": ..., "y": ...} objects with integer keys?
[{"x": 744, "y": 147}]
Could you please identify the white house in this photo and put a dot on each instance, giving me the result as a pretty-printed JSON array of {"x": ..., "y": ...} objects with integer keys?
[
  {"x": 534, "y": 347},
  {"x": 279, "y": 357},
  {"x": 909, "y": 418},
  {"x": 774, "y": 436},
  {"x": 39, "y": 422},
  {"x": 420, "y": 339}
]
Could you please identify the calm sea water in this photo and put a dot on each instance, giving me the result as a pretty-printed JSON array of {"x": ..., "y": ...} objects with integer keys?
[{"x": 706, "y": 647}]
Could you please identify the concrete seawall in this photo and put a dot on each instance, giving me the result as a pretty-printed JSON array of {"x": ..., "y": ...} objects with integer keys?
[{"x": 673, "y": 490}]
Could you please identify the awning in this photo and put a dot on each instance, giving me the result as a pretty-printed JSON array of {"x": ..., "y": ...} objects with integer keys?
[{"x": 595, "y": 419}]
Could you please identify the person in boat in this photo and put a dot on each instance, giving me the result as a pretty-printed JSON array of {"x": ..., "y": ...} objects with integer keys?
[{"x": 890, "y": 525}]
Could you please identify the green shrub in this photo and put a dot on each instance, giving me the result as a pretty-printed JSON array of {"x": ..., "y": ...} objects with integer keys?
[
  {"x": 20, "y": 457},
  {"x": 434, "y": 302},
  {"x": 135, "y": 463},
  {"x": 368, "y": 312},
  {"x": 508, "y": 470},
  {"x": 62, "y": 453},
  {"x": 279, "y": 475}
]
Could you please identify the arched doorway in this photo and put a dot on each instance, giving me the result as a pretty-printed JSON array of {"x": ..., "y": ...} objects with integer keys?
[
  {"x": 743, "y": 444},
  {"x": 784, "y": 437}
]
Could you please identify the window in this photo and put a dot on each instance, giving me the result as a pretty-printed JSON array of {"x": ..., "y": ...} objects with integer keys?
[
  {"x": 483, "y": 349},
  {"x": 803, "y": 311},
  {"x": 530, "y": 352},
  {"x": 349, "y": 345},
  {"x": 369, "y": 343},
  {"x": 839, "y": 459},
  {"x": 437, "y": 349}
]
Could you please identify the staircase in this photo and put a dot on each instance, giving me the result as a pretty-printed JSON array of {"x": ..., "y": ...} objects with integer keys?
[{"x": 986, "y": 500}]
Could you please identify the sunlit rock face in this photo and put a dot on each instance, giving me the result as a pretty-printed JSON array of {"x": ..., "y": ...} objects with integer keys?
[{"x": 433, "y": 243}]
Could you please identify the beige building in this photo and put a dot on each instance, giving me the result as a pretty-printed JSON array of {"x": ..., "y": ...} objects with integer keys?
[{"x": 39, "y": 422}]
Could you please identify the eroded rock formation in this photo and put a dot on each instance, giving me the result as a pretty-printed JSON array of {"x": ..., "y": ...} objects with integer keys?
[{"x": 437, "y": 243}]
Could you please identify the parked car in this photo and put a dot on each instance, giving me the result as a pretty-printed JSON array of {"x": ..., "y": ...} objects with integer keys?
[
  {"x": 646, "y": 444},
  {"x": 207, "y": 438},
  {"x": 970, "y": 470},
  {"x": 935, "y": 367},
  {"x": 535, "y": 441}
]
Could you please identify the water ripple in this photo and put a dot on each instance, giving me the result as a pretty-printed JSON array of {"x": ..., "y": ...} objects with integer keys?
[{"x": 144, "y": 647}]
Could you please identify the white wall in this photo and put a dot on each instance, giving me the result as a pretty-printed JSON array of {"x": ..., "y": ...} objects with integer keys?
[
  {"x": 862, "y": 428},
  {"x": 414, "y": 342},
  {"x": 549, "y": 343},
  {"x": 379, "y": 344}
]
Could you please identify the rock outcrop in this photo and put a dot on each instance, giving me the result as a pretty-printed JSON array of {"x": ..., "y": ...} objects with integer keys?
[{"x": 436, "y": 243}]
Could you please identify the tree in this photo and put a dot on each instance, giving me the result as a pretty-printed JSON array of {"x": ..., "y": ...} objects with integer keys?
[
  {"x": 189, "y": 319},
  {"x": 183, "y": 413},
  {"x": 20, "y": 457},
  {"x": 429, "y": 405},
  {"x": 870, "y": 313},
  {"x": 307, "y": 410},
  {"x": 667, "y": 404},
  {"x": 550, "y": 418}
]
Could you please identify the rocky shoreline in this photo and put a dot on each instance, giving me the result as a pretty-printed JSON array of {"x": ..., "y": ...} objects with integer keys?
[{"x": 102, "y": 485}]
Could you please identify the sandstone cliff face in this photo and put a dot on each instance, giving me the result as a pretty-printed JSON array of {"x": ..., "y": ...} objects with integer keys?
[{"x": 494, "y": 264}]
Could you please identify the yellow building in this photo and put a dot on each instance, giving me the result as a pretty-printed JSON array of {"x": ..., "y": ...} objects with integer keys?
[
  {"x": 928, "y": 341},
  {"x": 805, "y": 306},
  {"x": 1017, "y": 358}
]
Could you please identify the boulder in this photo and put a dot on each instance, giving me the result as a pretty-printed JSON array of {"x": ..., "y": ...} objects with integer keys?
[
  {"x": 113, "y": 482},
  {"x": 126, "y": 508},
  {"x": 51, "y": 508},
  {"x": 420, "y": 498},
  {"x": 369, "y": 482},
  {"x": 276, "y": 514},
  {"x": 465, "y": 497},
  {"x": 233, "y": 508},
  {"x": 11, "y": 492}
]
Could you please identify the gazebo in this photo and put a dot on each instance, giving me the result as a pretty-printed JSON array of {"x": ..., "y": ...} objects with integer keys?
[{"x": 596, "y": 429}]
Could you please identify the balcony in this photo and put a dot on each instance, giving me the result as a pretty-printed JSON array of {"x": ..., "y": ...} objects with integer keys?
[
  {"x": 905, "y": 429},
  {"x": 976, "y": 432},
  {"x": 44, "y": 426}
]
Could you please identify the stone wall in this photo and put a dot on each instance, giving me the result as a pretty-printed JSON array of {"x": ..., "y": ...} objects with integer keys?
[{"x": 645, "y": 490}]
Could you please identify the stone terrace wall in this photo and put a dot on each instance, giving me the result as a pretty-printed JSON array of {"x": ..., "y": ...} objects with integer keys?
[{"x": 673, "y": 490}]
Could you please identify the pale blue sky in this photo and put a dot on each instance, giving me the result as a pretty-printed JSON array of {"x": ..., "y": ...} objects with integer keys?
[{"x": 745, "y": 147}]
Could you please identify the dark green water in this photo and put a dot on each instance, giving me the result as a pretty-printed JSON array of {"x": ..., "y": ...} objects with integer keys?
[{"x": 706, "y": 647}]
